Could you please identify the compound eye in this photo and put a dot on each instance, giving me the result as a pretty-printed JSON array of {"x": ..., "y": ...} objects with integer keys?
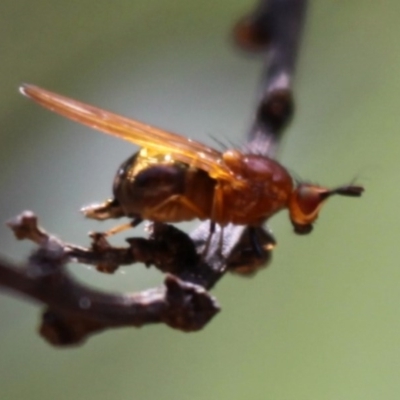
[{"x": 310, "y": 198}]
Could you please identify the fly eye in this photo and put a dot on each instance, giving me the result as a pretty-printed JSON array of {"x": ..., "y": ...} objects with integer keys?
[
  {"x": 304, "y": 206},
  {"x": 309, "y": 198}
]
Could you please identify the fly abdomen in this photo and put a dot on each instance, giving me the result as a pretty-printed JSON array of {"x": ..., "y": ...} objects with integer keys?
[{"x": 158, "y": 188}]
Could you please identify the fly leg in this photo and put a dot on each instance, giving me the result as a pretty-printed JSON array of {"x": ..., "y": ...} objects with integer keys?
[
  {"x": 179, "y": 201},
  {"x": 184, "y": 202},
  {"x": 261, "y": 241},
  {"x": 208, "y": 241},
  {"x": 216, "y": 214},
  {"x": 120, "y": 228},
  {"x": 255, "y": 243},
  {"x": 107, "y": 210}
]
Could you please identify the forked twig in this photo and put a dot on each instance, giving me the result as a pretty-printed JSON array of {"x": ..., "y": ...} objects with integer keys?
[{"x": 74, "y": 311}]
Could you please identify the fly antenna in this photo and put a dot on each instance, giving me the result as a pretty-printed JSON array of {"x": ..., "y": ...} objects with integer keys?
[{"x": 349, "y": 190}]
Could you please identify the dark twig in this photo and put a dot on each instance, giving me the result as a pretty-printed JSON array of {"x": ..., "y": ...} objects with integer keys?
[
  {"x": 276, "y": 26},
  {"x": 74, "y": 311}
]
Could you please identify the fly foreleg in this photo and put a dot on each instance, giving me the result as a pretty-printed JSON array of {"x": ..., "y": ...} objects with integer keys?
[
  {"x": 178, "y": 201},
  {"x": 108, "y": 210}
]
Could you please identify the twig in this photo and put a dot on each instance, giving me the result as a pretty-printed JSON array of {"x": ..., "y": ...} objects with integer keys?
[{"x": 74, "y": 311}]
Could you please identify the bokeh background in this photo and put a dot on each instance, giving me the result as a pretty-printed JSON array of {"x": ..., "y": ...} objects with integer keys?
[{"x": 323, "y": 321}]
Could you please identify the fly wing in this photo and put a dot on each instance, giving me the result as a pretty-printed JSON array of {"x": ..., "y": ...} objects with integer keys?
[{"x": 182, "y": 149}]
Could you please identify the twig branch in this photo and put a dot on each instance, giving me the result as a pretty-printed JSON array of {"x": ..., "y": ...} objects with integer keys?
[
  {"x": 276, "y": 25},
  {"x": 74, "y": 311}
]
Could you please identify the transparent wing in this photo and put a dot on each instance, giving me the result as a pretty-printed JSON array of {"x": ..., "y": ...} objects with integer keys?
[{"x": 181, "y": 148}]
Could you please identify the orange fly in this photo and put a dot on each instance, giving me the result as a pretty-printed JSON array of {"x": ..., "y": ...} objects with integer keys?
[{"x": 173, "y": 178}]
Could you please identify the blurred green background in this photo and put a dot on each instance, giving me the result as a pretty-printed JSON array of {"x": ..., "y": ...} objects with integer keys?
[{"x": 323, "y": 321}]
